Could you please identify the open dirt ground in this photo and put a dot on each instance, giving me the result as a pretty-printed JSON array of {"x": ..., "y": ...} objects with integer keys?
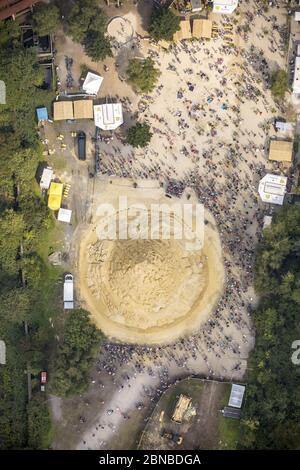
[
  {"x": 212, "y": 116},
  {"x": 149, "y": 291}
]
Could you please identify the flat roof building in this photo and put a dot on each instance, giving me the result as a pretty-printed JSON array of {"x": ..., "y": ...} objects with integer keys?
[
  {"x": 12, "y": 8},
  {"x": 108, "y": 116},
  {"x": 225, "y": 6},
  {"x": 281, "y": 151},
  {"x": 63, "y": 110},
  {"x": 272, "y": 189},
  {"x": 236, "y": 395},
  {"x": 83, "y": 109}
]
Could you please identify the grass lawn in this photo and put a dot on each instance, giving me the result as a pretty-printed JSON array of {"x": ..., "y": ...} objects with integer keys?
[{"x": 229, "y": 428}]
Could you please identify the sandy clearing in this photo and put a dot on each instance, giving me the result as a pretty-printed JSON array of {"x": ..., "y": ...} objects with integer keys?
[{"x": 149, "y": 291}]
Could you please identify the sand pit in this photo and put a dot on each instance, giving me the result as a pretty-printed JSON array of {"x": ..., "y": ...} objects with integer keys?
[{"x": 150, "y": 291}]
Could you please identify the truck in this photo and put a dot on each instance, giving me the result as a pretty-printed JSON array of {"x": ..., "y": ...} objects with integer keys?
[
  {"x": 81, "y": 139},
  {"x": 68, "y": 292}
]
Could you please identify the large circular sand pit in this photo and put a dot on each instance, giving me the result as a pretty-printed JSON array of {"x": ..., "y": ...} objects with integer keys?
[{"x": 150, "y": 291}]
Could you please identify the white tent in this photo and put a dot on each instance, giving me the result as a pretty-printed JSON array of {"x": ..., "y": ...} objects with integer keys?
[
  {"x": 297, "y": 15},
  {"x": 108, "y": 116},
  {"x": 46, "y": 178},
  {"x": 92, "y": 83},
  {"x": 272, "y": 189},
  {"x": 64, "y": 215},
  {"x": 225, "y": 6}
]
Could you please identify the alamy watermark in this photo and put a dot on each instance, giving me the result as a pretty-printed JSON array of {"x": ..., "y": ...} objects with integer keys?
[
  {"x": 138, "y": 221},
  {"x": 2, "y": 92}
]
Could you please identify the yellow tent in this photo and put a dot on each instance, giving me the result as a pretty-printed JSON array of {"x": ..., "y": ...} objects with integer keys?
[{"x": 55, "y": 196}]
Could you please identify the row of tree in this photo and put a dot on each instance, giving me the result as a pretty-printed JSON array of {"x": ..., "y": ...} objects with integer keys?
[
  {"x": 271, "y": 419},
  {"x": 30, "y": 290}
]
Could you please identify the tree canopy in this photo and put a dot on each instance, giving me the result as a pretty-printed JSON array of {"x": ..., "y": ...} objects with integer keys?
[
  {"x": 87, "y": 24},
  {"x": 142, "y": 75},
  {"x": 139, "y": 135},
  {"x": 272, "y": 408},
  {"x": 46, "y": 19},
  {"x": 164, "y": 24},
  {"x": 279, "y": 84},
  {"x": 72, "y": 363}
]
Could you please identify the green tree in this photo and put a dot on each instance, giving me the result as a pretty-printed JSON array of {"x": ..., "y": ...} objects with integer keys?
[
  {"x": 10, "y": 34},
  {"x": 87, "y": 25},
  {"x": 15, "y": 306},
  {"x": 142, "y": 75},
  {"x": 81, "y": 18},
  {"x": 97, "y": 46},
  {"x": 20, "y": 71},
  {"x": 39, "y": 423},
  {"x": 46, "y": 19},
  {"x": 164, "y": 24},
  {"x": 139, "y": 135},
  {"x": 11, "y": 234},
  {"x": 279, "y": 84},
  {"x": 75, "y": 355}
]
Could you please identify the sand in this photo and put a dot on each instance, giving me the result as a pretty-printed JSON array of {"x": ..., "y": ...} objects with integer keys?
[{"x": 150, "y": 291}]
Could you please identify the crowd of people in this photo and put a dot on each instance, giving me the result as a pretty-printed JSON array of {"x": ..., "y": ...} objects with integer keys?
[{"x": 212, "y": 139}]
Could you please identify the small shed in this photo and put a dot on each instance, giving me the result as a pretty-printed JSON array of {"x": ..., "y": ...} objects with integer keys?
[
  {"x": 230, "y": 412},
  {"x": 64, "y": 215},
  {"x": 46, "y": 178},
  {"x": 42, "y": 114}
]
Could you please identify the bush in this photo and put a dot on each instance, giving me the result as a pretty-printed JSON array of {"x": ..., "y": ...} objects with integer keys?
[
  {"x": 279, "y": 84},
  {"x": 87, "y": 24},
  {"x": 139, "y": 135},
  {"x": 164, "y": 24},
  {"x": 46, "y": 19},
  {"x": 142, "y": 75},
  {"x": 39, "y": 423},
  {"x": 74, "y": 358}
]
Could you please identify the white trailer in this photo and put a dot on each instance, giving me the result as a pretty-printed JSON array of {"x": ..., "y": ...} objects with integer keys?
[
  {"x": 46, "y": 178},
  {"x": 69, "y": 292}
]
